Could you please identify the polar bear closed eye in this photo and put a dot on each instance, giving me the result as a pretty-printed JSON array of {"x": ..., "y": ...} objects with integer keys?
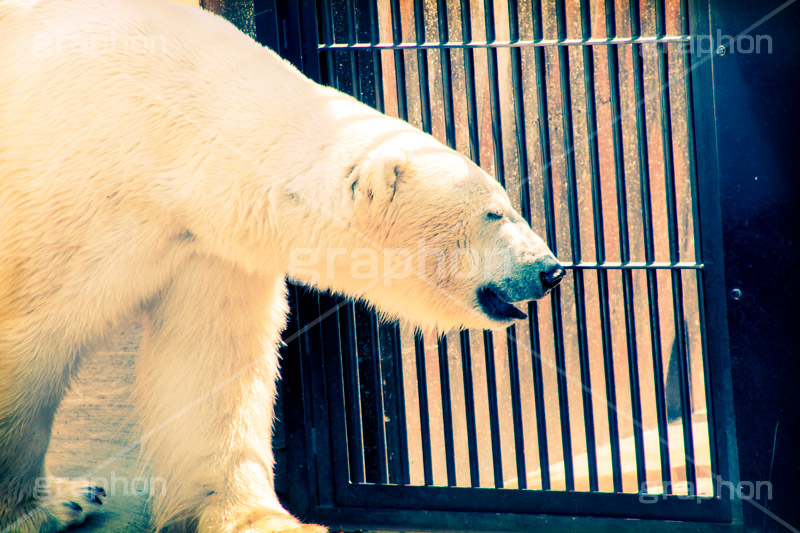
[{"x": 185, "y": 181}]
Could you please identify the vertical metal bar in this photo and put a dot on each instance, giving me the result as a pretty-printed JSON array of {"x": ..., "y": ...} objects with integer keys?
[
  {"x": 494, "y": 93},
  {"x": 447, "y": 86},
  {"x": 313, "y": 385},
  {"x": 377, "y": 67},
  {"x": 447, "y": 413},
  {"x": 403, "y": 476},
  {"x": 308, "y": 24},
  {"x": 519, "y": 110},
  {"x": 392, "y": 407},
  {"x": 350, "y": 16},
  {"x": 574, "y": 225},
  {"x": 397, "y": 465},
  {"x": 692, "y": 146},
  {"x": 674, "y": 252},
  {"x": 374, "y": 346},
  {"x": 627, "y": 276},
  {"x": 334, "y": 383},
  {"x": 555, "y": 296},
  {"x": 291, "y": 391},
  {"x": 538, "y": 394},
  {"x": 424, "y": 417},
  {"x": 525, "y": 209},
  {"x": 352, "y": 393},
  {"x": 266, "y": 19},
  {"x": 499, "y": 172},
  {"x": 474, "y": 149},
  {"x": 647, "y": 217},
  {"x": 683, "y": 371},
  {"x": 339, "y": 471},
  {"x": 399, "y": 60},
  {"x": 327, "y": 33},
  {"x": 494, "y": 416},
  {"x": 563, "y": 398},
  {"x": 469, "y": 408},
  {"x": 422, "y": 67},
  {"x": 516, "y": 409},
  {"x": 469, "y": 79},
  {"x": 710, "y": 421},
  {"x": 698, "y": 245},
  {"x": 599, "y": 246}
]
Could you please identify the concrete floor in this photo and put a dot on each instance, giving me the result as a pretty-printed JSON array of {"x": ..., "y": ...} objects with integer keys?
[{"x": 96, "y": 436}]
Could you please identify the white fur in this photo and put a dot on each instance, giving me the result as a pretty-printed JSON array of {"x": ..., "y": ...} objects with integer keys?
[{"x": 154, "y": 159}]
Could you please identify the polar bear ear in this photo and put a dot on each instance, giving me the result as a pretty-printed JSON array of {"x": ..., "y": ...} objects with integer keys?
[{"x": 374, "y": 180}]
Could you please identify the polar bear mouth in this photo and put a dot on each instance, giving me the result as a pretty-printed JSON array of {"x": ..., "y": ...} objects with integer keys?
[{"x": 495, "y": 304}]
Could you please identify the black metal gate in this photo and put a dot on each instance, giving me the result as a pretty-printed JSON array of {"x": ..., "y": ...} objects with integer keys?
[{"x": 614, "y": 400}]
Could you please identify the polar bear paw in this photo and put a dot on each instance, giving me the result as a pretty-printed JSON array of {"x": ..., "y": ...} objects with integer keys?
[
  {"x": 268, "y": 521},
  {"x": 69, "y": 502},
  {"x": 57, "y": 505}
]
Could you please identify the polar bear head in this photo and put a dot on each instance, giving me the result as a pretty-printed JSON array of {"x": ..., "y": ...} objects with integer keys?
[{"x": 427, "y": 235}]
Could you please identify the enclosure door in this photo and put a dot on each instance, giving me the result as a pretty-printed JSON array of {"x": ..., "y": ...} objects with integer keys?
[{"x": 611, "y": 399}]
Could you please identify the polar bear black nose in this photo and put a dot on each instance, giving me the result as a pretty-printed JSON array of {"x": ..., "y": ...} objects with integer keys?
[{"x": 552, "y": 277}]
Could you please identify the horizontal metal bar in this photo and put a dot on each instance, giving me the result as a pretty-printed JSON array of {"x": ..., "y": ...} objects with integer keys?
[
  {"x": 521, "y": 43},
  {"x": 633, "y": 265},
  {"x": 394, "y": 499},
  {"x": 360, "y": 519}
]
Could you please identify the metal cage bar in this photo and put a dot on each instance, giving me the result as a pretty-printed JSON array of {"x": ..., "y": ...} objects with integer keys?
[
  {"x": 399, "y": 60},
  {"x": 525, "y": 211},
  {"x": 647, "y": 219},
  {"x": 698, "y": 243},
  {"x": 538, "y": 393},
  {"x": 622, "y": 218},
  {"x": 474, "y": 150},
  {"x": 555, "y": 297},
  {"x": 494, "y": 417},
  {"x": 447, "y": 86},
  {"x": 469, "y": 78},
  {"x": 355, "y": 75},
  {"x": 422, "y": 66},
  {"x": 376, "y": 387},
  {"x": 575, "y": 238},
  {"x": 499, "y": 174},
  {"x": 447, "y": 412},
  {"x": 516, "y": 409},
  {"x": 424, "y": 416},
  {"x": 674, "y": 251},
  {"x": 376, "y": 62},
  {"x": 599, "y": 233},
  {"x": 353, "y": 395},
  {"x": 538, "y": 43},
  {"x": 494, "y": 94},
  {"x": 394, "y": 396},
  {"x": 469, "y": 406}
]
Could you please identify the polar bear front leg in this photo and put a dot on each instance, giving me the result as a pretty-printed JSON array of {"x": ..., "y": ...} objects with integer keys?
[
  {"x": 206, "y": 387},
  {"x": 32, "y": 501}
]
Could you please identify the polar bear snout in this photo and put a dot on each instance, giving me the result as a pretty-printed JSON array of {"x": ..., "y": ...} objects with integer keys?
[
  {"x": 551, "y": 277},
  {"x": 532, "y": 280},
  {"x": 529, "y": 281}
]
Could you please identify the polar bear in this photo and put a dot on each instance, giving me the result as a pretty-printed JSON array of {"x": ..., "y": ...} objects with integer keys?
[{"x": 155, "y": 160}]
